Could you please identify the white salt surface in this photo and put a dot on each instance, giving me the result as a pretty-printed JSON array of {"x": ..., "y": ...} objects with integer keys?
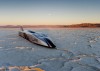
[{"x": 77, "y": 50}]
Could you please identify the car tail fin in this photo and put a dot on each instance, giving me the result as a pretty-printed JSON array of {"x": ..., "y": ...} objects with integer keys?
[
  {"x": 21, "y": 28},
  {"x": 50, "y": 43}
]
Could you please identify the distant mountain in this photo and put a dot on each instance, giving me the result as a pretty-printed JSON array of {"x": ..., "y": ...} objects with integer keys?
[
  {"x": 87, "y": 25},
  {"x": 83, "y": 25}
]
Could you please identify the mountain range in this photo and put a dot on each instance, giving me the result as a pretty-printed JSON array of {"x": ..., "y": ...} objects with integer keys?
[{"x": 82, "y": 25}]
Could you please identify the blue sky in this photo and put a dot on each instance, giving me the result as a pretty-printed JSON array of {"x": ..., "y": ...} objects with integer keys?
[{"x": 49, "y": 12}]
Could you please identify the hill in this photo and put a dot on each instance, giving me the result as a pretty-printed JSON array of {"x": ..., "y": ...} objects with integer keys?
[{"x": 83, "y": 25}]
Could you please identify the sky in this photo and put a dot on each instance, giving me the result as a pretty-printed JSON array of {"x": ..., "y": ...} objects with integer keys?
[{"x": 49, "y": 12}]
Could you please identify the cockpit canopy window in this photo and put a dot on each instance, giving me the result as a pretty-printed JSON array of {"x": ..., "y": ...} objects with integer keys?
[
  {"x": 31, "y": 31},
  {"x": 40, "y": 35}
]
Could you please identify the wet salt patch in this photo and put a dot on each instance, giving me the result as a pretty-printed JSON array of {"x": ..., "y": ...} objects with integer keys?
[{"x": 29, "y": 48}]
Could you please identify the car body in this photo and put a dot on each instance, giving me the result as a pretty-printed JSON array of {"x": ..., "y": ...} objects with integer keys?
[{"x": 37, "y": 38}]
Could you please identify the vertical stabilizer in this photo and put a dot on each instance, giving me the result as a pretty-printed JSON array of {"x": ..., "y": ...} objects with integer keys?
[{"x": 21, "y": 28}]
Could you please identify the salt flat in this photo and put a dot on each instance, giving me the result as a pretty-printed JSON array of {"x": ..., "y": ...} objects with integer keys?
[{"x": 77, "y": 50}]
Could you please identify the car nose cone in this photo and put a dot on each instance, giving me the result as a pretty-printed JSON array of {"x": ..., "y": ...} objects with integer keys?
[{"x": 49, "y": 42}]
